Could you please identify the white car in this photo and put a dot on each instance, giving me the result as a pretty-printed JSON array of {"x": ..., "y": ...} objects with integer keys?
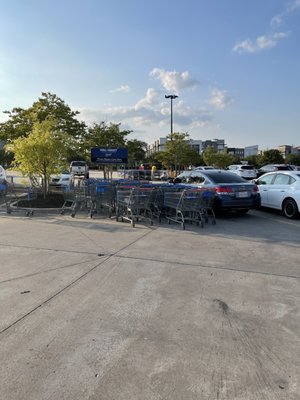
[
  {"x": 281, "y": 190},
  {"x": 244, "y": 170},
  {"x": 63, "y": 180},
  {"x": 203, "y": 168},
  {"x": 2, "y": 174}
]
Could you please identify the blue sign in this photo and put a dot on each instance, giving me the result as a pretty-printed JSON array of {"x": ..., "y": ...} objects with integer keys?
[{"x": 104, "y": 155}]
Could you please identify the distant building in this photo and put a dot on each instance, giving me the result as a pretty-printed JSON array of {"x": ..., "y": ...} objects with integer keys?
[
  {"x": 286, "y": 149},
  {"x": 198, "y": 145},
  {"x": 217, "y": 144},
  {"x": 251, "y": 151},
  {"x": 236, "y": 151}
]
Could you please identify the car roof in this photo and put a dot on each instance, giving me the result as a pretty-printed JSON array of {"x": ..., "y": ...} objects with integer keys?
[
  {"x": 284, "y": 172},
  {"x": 217, "y": 176}
]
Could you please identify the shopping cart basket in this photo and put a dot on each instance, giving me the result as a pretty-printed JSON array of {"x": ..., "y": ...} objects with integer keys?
[
  {"x": 134, "y": 205},
  {"x": 185, "y": 206}
]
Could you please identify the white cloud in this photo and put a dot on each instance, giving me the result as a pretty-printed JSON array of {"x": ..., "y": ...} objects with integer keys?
[
  {"x": 278, "y": 19},
  {"x": 270, "y": 40},
  {"x": 261, "y": 43},
  {"x": 122, "y": 88},
  {"x": 174, "y": 81},
  {"x": 219, "y": 99},
  {"x": 149, "y": 100}
]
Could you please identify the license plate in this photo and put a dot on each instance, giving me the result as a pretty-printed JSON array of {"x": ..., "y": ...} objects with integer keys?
[{"x": 242, "y": 194}]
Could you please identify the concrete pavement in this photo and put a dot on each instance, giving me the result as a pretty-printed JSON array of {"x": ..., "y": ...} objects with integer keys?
[{"x": 95, "y": 309}]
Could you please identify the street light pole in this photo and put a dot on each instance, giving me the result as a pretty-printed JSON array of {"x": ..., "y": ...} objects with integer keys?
[{"x": 172, "y": 97}]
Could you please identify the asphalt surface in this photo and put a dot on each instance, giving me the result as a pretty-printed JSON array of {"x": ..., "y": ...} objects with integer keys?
[{"x": 96, "y": 309}]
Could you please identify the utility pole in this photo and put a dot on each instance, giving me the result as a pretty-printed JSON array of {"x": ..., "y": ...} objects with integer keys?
[{"x": 172, "y": 97}]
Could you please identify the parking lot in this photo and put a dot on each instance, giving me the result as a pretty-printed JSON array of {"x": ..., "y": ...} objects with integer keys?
[{"x": 96, "y": 309}]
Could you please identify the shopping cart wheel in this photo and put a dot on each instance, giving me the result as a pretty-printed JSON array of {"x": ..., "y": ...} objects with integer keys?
[
  {"x": 73, "y": 215},
  {"x": 62, "y": 212},
  {"x": 132, "y": 223},
  {"x": 183, "y": 226},
  {"x": 151, "y": 222}
]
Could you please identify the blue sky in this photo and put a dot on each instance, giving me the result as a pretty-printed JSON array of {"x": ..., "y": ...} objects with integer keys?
[{"x": 234, "y": 64}]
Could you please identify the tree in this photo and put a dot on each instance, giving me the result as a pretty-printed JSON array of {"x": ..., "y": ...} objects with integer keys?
[
  {"x": 178, "y": 151},
  {"x": 293, "y": 159},
  {"x": 271, "y": 156},
  {"x": 209, "y": 155},
  {"x": 219, "y": 160},
  {"x": 253, "y": 160},
  {"x": 41, "y": 153},
  {"x": 103, "y": 135},
  {"x": 136, "y": 152},
  {"x": 49, "y": 106}
]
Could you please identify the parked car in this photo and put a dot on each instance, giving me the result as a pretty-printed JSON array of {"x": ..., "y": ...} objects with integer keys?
[
  {"x": 203, "y": 168},
  {"x": 79, "y": 168},
  {"x": 273, "y": 167},
  {"x": 63, "y": 180},
  {"x": 3, "y": 182},
  {"x": 233, "y": 193},
  {"x": 281, "y": 190},
  {"x": 2, "y": 174},
  {"x": 244, "y": 170}
]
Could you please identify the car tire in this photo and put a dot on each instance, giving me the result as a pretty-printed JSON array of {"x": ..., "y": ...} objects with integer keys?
[{"x": 290, "y": 209}]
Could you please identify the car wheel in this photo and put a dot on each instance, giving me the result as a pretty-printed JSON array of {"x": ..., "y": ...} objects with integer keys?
[{"x": 290, "y": 209}]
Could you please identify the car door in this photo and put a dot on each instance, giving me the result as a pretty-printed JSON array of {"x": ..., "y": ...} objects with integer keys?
[
  {"x": 278, "y": 189},
  {"x": 264, "y": 183}
]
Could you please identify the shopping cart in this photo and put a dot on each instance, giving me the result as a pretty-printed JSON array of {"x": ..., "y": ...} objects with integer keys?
[
  {"x": 185, "y": 206},
  {"x": 206, "y": 205},
  {"x": 102, "y": 197},
  {"x": 134, "y": 204}
]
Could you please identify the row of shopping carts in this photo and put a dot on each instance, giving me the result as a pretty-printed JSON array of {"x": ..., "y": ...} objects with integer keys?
[{"x": 137, "y": 201}]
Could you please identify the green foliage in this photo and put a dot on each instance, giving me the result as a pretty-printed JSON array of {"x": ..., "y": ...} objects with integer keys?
[
  {"x": 271, "y": 156},
  {"x": 209, "y": 155},
  {"x": 218, "y": 160},
  {"x": 293, "y": 159},
  {"x": 41, "y": 153},
  {"x": 253, "y": 160},
  {"x": 103, "y": 135},
  {"x": 48, "y": 107},
  {"x": 177, "y": 151},
  {"x": 136, "y": 152}
]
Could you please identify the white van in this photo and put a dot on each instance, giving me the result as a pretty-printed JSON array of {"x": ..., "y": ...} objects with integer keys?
[{"x": 79, "y": 168}]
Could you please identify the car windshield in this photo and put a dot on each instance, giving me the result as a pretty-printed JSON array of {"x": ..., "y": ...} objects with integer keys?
[
  {"x": 284, "y": 168},
  {"x": 78, "y": 163},
  {"x": 224, "y": 177},
  {"x": 247, "y": 167}
]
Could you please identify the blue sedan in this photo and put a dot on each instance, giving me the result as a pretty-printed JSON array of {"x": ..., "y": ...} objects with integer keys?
[{"x": 233, "y": 193}]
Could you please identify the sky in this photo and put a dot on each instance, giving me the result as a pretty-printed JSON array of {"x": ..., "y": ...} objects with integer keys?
[{"x": 234, "y": 65}]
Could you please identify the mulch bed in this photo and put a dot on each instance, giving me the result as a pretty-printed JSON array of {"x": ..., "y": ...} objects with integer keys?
[{"x": 52, "y": 200}]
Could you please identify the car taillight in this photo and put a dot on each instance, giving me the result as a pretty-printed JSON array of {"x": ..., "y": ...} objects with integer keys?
[
  {"x": 224, "y": 189},
  {"x": 255, "y": 189}
]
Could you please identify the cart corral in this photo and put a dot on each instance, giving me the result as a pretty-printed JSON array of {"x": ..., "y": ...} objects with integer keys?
[{"x": 124, "y": 200}]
